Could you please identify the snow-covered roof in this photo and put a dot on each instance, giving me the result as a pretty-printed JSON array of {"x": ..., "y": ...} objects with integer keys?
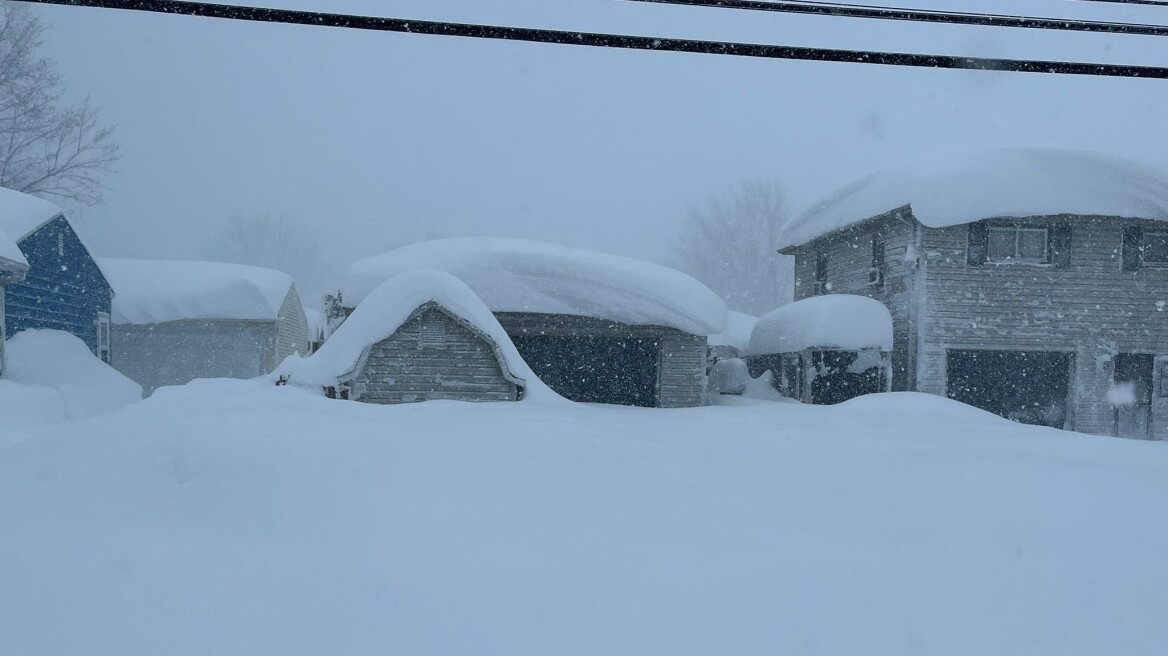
[
  {"x": 737, "y": 333},
  {"x": 960, "y": 188},
  {"x": 10, "y": 255},
  {"x": 385, "y": 309},
  {"x": 21, "y": 213},
  {"x": 516, "y": 275},
  {"x": 153, "y": 291},
  {"x": 836, "y": 321}
]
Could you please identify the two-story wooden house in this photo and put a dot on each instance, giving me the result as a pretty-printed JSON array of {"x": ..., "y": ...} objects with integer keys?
[{"x": 1029, "y": 282}]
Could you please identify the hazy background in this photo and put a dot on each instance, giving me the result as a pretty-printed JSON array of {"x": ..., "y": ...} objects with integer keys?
[{"x": 372, "y": 139}]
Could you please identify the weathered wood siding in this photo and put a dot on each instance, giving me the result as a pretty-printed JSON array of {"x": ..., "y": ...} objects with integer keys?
[
  {"x": 292, "y": 327},
  {"x": 849, "y": 259},
  {"x": 400, "y": 370},
  {"x": 177, "y": 352},
  {"x": 681, "y": 378},
  {"x": 63, "y": 290},
  {"x": 1090, "y": 308},
  {"x": 2, "y": 331}
]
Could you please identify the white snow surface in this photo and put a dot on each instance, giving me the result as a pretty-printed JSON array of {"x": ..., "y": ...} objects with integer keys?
[
  {"x": 153, "y": 291},
  {"x": 384, "y": 310},
  {"x": 21, "y": 213},
  {"x": 237, "y": 517},
  {"x": 51, "y": 376},
  {"x": 955, "y": 188},
  {"x": 517, "y": 275},
  {"x": 737, "y": 332},
  {"x": 835, "y": 321},
  {"x": 10, "y": 252}
]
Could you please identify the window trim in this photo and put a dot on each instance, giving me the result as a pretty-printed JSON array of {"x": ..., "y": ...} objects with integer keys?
[{"x": 1018, "y": 230}]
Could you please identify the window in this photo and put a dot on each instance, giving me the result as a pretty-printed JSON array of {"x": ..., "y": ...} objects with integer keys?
[
  {"x": 103, "y": 336},
  {"x": 821, "y": 285},
  {"x": 877, "y": 272},
  {"x": 1018, "y": 244},
  {"x": 1154, "y": 249}
]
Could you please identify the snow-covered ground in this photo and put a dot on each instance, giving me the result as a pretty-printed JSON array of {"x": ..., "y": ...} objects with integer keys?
[{"x": 235, "y": 517}]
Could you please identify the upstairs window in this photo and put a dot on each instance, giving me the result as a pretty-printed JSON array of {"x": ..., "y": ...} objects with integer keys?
[
  {"x": 1018, "y": 244},
  {"x": 877, "y": 272},
  {"x": 1155, "y": 248},
  {"x": 821, "y": 284}
]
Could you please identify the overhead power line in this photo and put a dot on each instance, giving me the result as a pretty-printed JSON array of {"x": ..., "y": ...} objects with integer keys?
[
  {"x": 561, "y": 37},
  {"x": 844, "y": 10}
]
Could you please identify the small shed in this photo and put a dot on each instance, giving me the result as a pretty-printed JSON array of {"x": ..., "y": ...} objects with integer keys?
[
  {"x": 175, "y": 321},
  {"x": 824, "y": 349},
  {"x": 593, "y": 327},
  {"x": 13, "y": 267},
  {"x": 63, "y": 287},
  {"x": 420, "y": 336}
]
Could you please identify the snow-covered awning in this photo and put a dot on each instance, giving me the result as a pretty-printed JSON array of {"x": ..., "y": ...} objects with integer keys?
[
  {"x": 836, "y": 321},
  {"x": 385, "y": 309},
  {"x": 1009, "y": 182},
  {"x": 153, "y": 291},
  {"x": 516, "y": 275}
]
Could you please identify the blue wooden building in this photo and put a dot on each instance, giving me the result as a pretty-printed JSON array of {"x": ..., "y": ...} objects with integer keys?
[{"x": 63, "y": 289}]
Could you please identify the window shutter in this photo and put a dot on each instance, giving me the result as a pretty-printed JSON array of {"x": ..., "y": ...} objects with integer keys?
[
  {"x": 1132, "y": 236},
  {"x": 979, "y": 243},
  {"x": 1060, "y": 245}
]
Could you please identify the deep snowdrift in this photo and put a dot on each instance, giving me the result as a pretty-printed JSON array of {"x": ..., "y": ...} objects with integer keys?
[
  {"x": 954, "y": 188},
  {"x": 51, "y": 376},
  {"x": 517, "y": 275},
  {"x": 837, "y": 321},
  {"x": 242, "y": 518}
]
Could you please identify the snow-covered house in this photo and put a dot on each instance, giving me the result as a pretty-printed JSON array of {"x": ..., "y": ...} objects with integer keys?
[
  {"x": 593, "y": 327},
  {"x": 1029, "y": 282},
  {"x": 420, "y": 336},
  {"x": 175, "y": 321},
  {"x": 824, "y": 349},
  {"x": 63, "y": 288},
  {"x": 13, "y": 267}
]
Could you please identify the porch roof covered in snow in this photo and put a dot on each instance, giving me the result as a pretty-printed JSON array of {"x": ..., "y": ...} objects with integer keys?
[
  {"x": 155, "y": 291},
  {"x": 843, "y": 322},
  {"x": 1009, "y": 182},
  {"x": 521, "y": 276}
]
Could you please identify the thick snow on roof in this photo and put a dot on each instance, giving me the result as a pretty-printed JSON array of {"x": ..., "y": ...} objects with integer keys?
[
  {"x": 385, "y": 309},
  {"x": 835, "y": 321},
  {"x": 153, "y": 291},
  {"x": 960, "y": 188},
  {"x": 516, "y": 275},
  {"x": 737, "y": 333},
  {"x": 20, "y": 213},
  {"x": 10, "y": 253}
]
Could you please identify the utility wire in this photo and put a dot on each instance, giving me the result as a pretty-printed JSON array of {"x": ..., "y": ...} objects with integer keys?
[
  {"x": 843, "y": 10},
  {"x": 629, "y": 42}
]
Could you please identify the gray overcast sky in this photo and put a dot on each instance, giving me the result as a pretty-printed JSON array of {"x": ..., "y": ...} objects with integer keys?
[{"x": 379, "y": 139}]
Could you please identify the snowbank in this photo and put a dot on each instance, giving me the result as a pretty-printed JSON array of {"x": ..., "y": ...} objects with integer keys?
[
  {"x": 51, "y": 375},
  {"x": 515, "y": 275},
  {"x": 737, "y": 332},
  {"x": 835, "y": 321},
  {"x": 384, "y": 310},
  {"x": 963, "y": 187},
  {"x": 21, "y": 213},
  {"x": 153, "y": 291}
]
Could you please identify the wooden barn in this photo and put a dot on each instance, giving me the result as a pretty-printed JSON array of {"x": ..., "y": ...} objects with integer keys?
[
  {"x": 421, "y": 336},
  {"x": 13, "y": 267},
  {"x": 63, "y": 288},
  {"x": 175, "y": 321},
  {"x": 824, "y": 349},
  {"x": 593, "y": 327},
  {"x": 1032, "y": 283}
]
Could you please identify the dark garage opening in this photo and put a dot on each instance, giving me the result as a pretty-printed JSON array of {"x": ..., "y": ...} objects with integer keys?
[
  {"x": 1030, "y": 387},
  {"x": 594, "y": 369}
]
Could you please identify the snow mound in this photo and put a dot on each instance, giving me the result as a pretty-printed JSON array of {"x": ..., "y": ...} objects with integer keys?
[
  {"x": 21, "y": 213},
  {"x": 516, "y": 275},
  {"x": 737, "y": 333},
  {"x": 153, "y": 291},
  {"x": 965, "y": 187},
  {"x": 48, "y": 362},
  {"x": 384, "y": 310},
  {"x": 835, "y": 321}
]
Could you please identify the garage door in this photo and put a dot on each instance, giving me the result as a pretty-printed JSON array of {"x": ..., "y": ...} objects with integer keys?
[
  {"x": 1030, "y": 387},
  {"x": 594, "y": 369}
]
